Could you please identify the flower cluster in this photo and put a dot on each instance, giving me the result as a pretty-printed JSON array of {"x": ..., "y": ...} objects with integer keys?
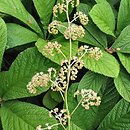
[
  {"x": 50, "y": 47},
  {"x": 60, "y": 115},
  {"x": 88, "y": 98},
  {"x": 52, "y": 28},
  {"x": 40, "y": 80},
  {"x": 76, "y": 65},
  {"x": 74, "y": 32},
  {"x": 62, "y": 7},
  {"x": 60, "y": 83},
  {"x": 83, "y": 18},
  {"x": 92, "y": 52},
  {"x": 59, "y": 7},
  {"x": 74, "y": 3}
]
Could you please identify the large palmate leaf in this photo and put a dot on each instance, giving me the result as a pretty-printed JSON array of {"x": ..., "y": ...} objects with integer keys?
[
  {"x": 18, "y": 35},
  {"x": 90, "y": 119},
  {"x": 13, "y": 83},
  {"x": 103, "y": 17},
  {"x": 15, "y": 8},
  {"x": 123, "y": 41},
  {"x": 91, "y": 28},
  {"x": 58, "y": 57},
  {"x": 44, "y": 9},
  {"x": 3, "y": 38},
  {"x": 125, "y": 60},
  {"x": 123, "y": 15},
  {"x": 118, "y": 118},
  {"x": 122, "y": 83},
  {"x": 106, "y": 65},
  {"x": 17, "y": 115}
]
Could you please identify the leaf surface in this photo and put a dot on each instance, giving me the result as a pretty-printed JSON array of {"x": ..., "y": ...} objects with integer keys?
[
  {"x": 103, "y": 17},
  {"x": 18, "y": 35},
  {"x": 122, "y": 83},
  {"x": 14, "y": 82},
  {"x": 123, "y": 41},
  {"x": 3, "y": 39},
  {"x": 106, "y": 65},
  {"x": 118, "y": 118},
  {"x": 16, "y": 9},
  {"x": 123, "y": 15},
  {"x": 17, "y": 115}
]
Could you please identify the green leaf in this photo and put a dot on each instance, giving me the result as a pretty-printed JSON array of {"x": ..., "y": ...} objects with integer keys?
[
  {"x": 106, "y": 65},
  {"x": 56, "y": 96},
  {"x": 17, "y": 115},
  {"x": 74, "y": 127},
  {"x": 100, "y": 1},
  {"x": 16, "y": 9},
  {"x": 109, "y": 99},
  {"x": 18, "y": 35},
  {"x": 90, "y": 119},
  {"x": 125, "y": 60},
  {"x": 13, "y": 83},
  {"x": 0, "y": 121},
  {"x": 92, "y": 29},
  {"x": 122, "y": 83},
  {"x": 48, "y": 101},
  {"x": 44, "y": 9},
  {"x": 118, "y": 118},
  {"x": 58, "y": 57},
  {"x": 123, "y": 15},
  {"x": 3, "y": 39},
  {"x": 103, "y": 17},
  {"x": 92, "y": 81},
  {"x": 123, "y": 41}
]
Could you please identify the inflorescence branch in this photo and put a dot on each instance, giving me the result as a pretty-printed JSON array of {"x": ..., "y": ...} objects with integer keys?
[{"x": 69, "y": 66}]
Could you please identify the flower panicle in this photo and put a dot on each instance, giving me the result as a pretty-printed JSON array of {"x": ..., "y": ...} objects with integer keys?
[
  {"x": 88, "y": 98},
  {"x": 51, "y": 47},
  {"x": 82, "y": 17},
  {"x": 74, "y": 32},
  {"x": 40, "y": 80},
  {"x": 91, "y": 52},
  {"x": 62, "y": 7},
  {"x": 60, "y": 115},
  {"x": 60, "y": 83}
]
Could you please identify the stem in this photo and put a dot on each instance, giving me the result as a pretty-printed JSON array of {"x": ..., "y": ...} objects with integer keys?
[
  {"x": 74, "y": 19},
  {"x": 62, "y": 54},
  {"x": 51, "y": 126},
  {"x": 76, "y": 107},
  {"x": 62, "y": 96},
  {"x": 68, "y": 74},
  {"x": 83, "y": 55},
  {"x": 56, "y": 86}
]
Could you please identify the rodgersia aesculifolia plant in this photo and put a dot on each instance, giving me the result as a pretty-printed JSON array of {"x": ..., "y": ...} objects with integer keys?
[
  {"x": 65, "y": 65},
  {"x": 70, "y": 66}
]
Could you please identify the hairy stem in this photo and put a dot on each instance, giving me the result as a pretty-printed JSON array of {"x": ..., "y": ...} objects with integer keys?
[
  {"x": 76, "y": 107},
  {"x": 69, "y": 72}
]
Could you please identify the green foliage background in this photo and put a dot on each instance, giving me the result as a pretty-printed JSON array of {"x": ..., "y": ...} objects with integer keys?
[{"x": 23, "y": 33}]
